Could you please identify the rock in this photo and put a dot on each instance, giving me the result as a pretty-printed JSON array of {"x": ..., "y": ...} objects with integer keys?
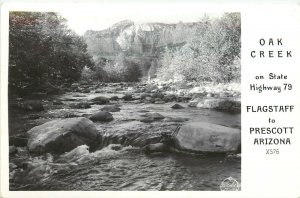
[
  {"x": 100, "y": 100},
  {"x": 199, "y": 95},
  {"x": 127, "y": 97},
  {"x": 158, "y": 95},
  {"x": 33, "y": 105},
  {"x": 177, "y": 106},
  {"x": 144, "y": 96},
  {"x": 102, "y": 116},
  {"x": 111, "y": 108},
  {"x": 194, "y": 102},
  {"x": 170, "y": 97},
  {"x": 74, "y": 154},
  {"x": 208, "y": 137},
  {"x": 114, "y": 98},
  {"x": 115, "y": 147},
  {"x": 62, "y": 135},
  {"x": 228, "y": 104},
  {"x": 12, "y": 150},
  {"x": 155, "y": 116},
  {"x": 150, "y": 88},
  {"x": 81, "y": 105},
  {"x": 147, "y": 120},
  {"x": 154, "y": 148}
]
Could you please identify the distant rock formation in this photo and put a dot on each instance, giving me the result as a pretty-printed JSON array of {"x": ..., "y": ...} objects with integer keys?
[{"x": 143, "y": 43}]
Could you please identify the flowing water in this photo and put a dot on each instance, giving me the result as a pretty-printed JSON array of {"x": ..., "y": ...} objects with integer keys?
[{"x": 120, "y": 164}]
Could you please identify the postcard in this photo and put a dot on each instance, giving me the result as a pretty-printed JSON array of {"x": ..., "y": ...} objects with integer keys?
[{"x": 143, "y": 99}]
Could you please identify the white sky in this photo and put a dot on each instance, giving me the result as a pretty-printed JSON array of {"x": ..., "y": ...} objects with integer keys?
[{"x": 101, "y": 16}]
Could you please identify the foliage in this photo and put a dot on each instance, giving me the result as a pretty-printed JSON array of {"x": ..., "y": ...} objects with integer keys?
[
  {"x": 213, "y": 54},
  {"x": 122, "y": 69},
  {"x": 43, "y": 51}
]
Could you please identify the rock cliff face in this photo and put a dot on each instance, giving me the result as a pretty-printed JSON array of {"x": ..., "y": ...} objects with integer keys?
[{"x": 144, "y": 42}]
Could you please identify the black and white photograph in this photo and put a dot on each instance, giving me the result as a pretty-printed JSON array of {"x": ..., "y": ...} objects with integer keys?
[{"x": 124, "y": 100}]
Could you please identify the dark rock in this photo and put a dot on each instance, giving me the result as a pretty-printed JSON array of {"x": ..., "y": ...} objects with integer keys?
[
  {"x": 224, "y": 104},
  {"x": 158, "y": 95},
  {"x": 111, "y": 108},
  {"x": 230, "y": 105},
  {"x": 102, "y": 116},
  {"x": 115, "y": 147},
  {"x": 144, "y": 96},
  {"x": 127, "y": 97},
  {"x": 147, "y": 120},
  {"x": 208, "y": 137},
  {"x": 62, "y": 135},
  {"x": 199, "y": 95},
  {"x": 114, "y": 98},
  {"x": 170, "y": 97},
  {"x": 100, "y": 100},
  {"x": 177, "y": 106},
  {"x": 33, "y": 105},
  {"x": 155, "y": 116}
]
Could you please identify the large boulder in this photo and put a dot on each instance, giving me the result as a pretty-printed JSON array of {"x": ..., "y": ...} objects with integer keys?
[
  {"x": 62, "y": 135},
  {"x": 208, "y": 137},
  {"x": 224, "y": 104}
]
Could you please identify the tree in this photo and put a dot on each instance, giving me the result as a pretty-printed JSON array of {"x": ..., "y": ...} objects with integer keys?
[
  {"x": 212, "y": 54},
  {"x": 43, "y": 51}
]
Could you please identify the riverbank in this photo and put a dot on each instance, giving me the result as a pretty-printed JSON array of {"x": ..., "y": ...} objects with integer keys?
[{"x": 140, "y": 114}]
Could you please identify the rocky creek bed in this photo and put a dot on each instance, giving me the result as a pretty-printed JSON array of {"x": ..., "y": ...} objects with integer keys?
[{"x": 100, "y": 134}]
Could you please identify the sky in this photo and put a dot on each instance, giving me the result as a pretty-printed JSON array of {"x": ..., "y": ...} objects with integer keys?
[{"x": 101, "y": 16}]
